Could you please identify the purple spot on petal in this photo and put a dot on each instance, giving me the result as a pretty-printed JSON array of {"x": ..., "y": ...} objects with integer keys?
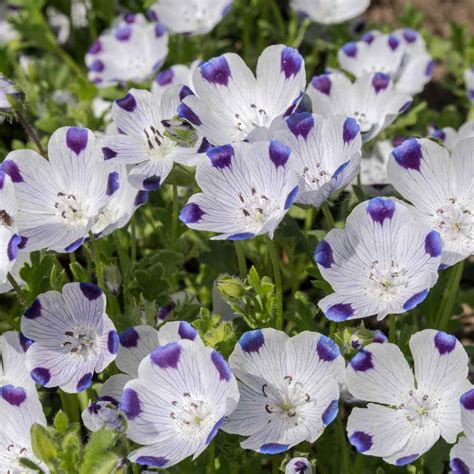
[
  {"x": 214, "y": 431},
  {"x": 165, "y": 78},
  {"x": 380, "y": 81},
  {"x": 76, "y": 139},
  {"x": 108, "y": 153},
  {"x": 380, "y": 209},
  {"x": 444, "y": 342},
  {"x": 167, "y": 357},
  {"x": 12, "y": 170},
  {"x": 95, "y": 48},
  {"x": 140, "y": 198},
  {"x": 368, "y": 38},
  {"x": 216, "y": 71},
  {"x": 123, "y": 33},
  {"x": 166, "y": 310},
  {"x": 429, "y": 68},
  {"x": 273, "y": 448},
  {"x": 25, "y": 343},
  {"x": 361, "y": 441},
  {"x": 241, "y": 236},
  {"x": 159, "y": 30},
  {"x": 350, "y": 130},
  {"x": 186, "y": 331},
  {"x": 339, "y": 312},
  {"x": 410, "y": 35},
  {"x": 252, "y": 341},
  {"x": 41, "y": 375},
  {"x": 13, "y": 246},
  {"x": 205, "y": 146},
  {"x": 221, "y": 157},
  {"x": 127, "y": 103},
  {"x": 34, "y": 311},
  {"x": 186, "y": 113},
  {"x": 322, "y": 83},
  {"x": 350, "y": 50},
  {"x": 90, "y": 291},
  {"x": 291, "y": 62},
  {"x": 185, "y": 92},
  {"x": 379, "y": 337},
  {"x": 97, "y": 66},
  {"x": 113, "y": 183},
  {"x": 393, "y": 42},
  {"x": 13, "y": 395},
  {"x": 129, "y": 338},
  {"x": 327, "y": 349},
  {"x": 323, "y": 254},
  {"x": 340, "y": 169},
  {"x": 191, "y": 213},
  {"x": 112, "y": 342},
  {"x": 151, "y": 461},
  {"x": 330, "y": 412},
  {"x": 291, "y": 197},
  {"x": 467, "y": 400},
  {"x": 415, "y": 300},
  {"x": 23, "y": 242},
  {"x": 458, "y": 466},
  {"x": 130, "y": 403},
  {"x": 409, "y": 154},
  {"x": 84, "y": 382},
  {"x": 300, "y": 124},
  {"x": 152, "y": 183},
  {"x": 433, "y": 244},
  {"x": 221, "y": 366},
  {"x": 362, "y": 361},
  {"x": 406, "y": 459},
  {"x": 279, "y": 153},
  {"x": 74, "y": 245}
]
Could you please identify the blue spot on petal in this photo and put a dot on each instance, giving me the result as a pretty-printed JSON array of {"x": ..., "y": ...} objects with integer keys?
[
  {"x": 167, "y": 357},
  {"x": 34, "y": 311},
  {"x": 409, "y": 154},
  {"x": 444, "y": 342},
  {"x": 214, "y": 431},
  {"x": 301, "y": 124},
  {"x": 130, "y": 403},
  {"x": 186, "y": 331},
  {"x": 279, "y": 153},
  {"x": 76, "y": 139},
  {"x": 415, "y": 300},
  {"x": 84, "y": 382},
  {"x": 322, "y": 83},
  {"x": 291, "y": 197},
  {"x": 113, "y": 183},
  {"x": 362, "y": 361},
  {"x": 350, "y": 129},
  {"x": 406, "y": 460},
  {"x": 350, "y": 50},
  {"x": 216, "y": 71},
  {"x": 74, "y": 245},
  {"x": 323, "y": 254},
  {"x": 273, "y": 448},
  {"x": 291, "y": 62},
  {"x": 327, "y": 349},
  {"x": 361, "y": 441},
  {"x": 129, "y": 338},
  {"x": 112, "y": 342},
  {"x": 127, "y": 103},
  {"x": 151, "y": 461},
  {"x": 185, "y": 112},
  {"x": 13, "y": 246},
  {"x": 241, "y": 236},
  {"x": 339, "y": 312},
  {"x": 90, "y": 291},
  {"x": 252, "y": 341},
  {"x": 458, "y": 466},
  {"x": 191, "y": 213},
  {"x": 14, "y": 396},
  {"x": 433, "y": 245},
  {"x": 12, "y": 170},
  {"x": 380, "y": 81},
  {"x": 221, "y": 156},
  {"x": 221, "y": 366},
  {"x": 380, "y": 209},
  {"x": 467, "y": 400},
  {"x": 41, "y": 375},
  {"x": 330, "y": 413}
]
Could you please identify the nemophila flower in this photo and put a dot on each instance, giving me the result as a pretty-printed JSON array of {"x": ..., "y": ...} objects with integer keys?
[
  {"x": 230, "y": 103},
  {"x": 384, "y": 262},
  {"x": 60, "y": 24},
  {"x": 247, "y": 188},
  {"x": 298, "y": 466},
  {"x": 469, "y": 81},
  {"x": 22, "y": 258},
  {"x": 192, "y": 17},
  {"x": 327, "y": 153},
  {"x": 6, "y": 89},
  {"x": 372, "y": 100},
  {"x": 179, "y": 74},
  {"x": 462, "y": 454},
  {"x": 60, "y": 199},
  {"x": 135, "y": 344},
  {"x": 401, "y": 54},
  {"x": 288, "y": 386},
  {"x": 441, "y": 187},
  {"x": 178, "y": 403},
  {"x": 73, "y": 337},
  {"x": 407, "y": 413},
  {"x": 130, "y": 51},
  {"x": 20, "y": 407},
  {"x": 144, "y": 141},
  {"x": 9, "y": 238},
  {"x": 373, "y": 169},
  {"x": 121, "y": 207},
  {"x": 329, "y": 12},
  {"x": 449, "y": 136}
]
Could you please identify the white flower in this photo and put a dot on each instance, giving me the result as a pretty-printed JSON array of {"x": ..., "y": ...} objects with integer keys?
[
  {"x": 6, "y": 89},
  {"x": 401, "y": 54},
  {"x": 7, "y": 32},
  {"x": 329, "y": 12},
  {"x": 451, "y": 137},
  {"x": 298, "y": 466},
  {"x": 192, "y": 17},
  {"x": 373, "y": 167},
  {"x": 59, "y": 200},
  {"x": 407, "y": 413},
  {"x": 384, "y": 262},
  {"x": 135, "y": 343},
  {"x": 441, "y": 187},
  {"x": 469, "y": 81},
  {"x": 462, "y": 454},
  {"x": 131, "y": 51},
  {"x": 22, "y": 258},
  {"x": 60, "y": 24},
  {"x": 10, "y": 241},
  {"x": 121, "y": 207},
  {"x": 326, "y": 153},
  {"x": 247, "y": 188},
  {"x": 73, "y": 337},
  {"x": 372, "y": 100},
  {"x": 143, "y": 140},
  {"x": 230, "y": 103},
  {"x": 178, "y": 74},
  {"x": 288, "y": 386},
  {"x": 20, "y": 406},
  {"x": 178, "y": 403}
]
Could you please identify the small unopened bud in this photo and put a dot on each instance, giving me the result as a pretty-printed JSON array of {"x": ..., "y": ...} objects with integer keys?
[{"x": 230, "y": 287}]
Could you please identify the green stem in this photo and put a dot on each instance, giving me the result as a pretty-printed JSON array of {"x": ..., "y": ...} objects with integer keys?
[
  {"x": 332, "y": 330},
  {"x": 99, "y": 270},
  {"x": 174, "y": 223},
  {"x": 328, "y": 216},
  {"x": 449, "y": 297},
  {"x": 18, "y": 290},
  {"x": 392, "y": 328},
  {"x": 310, "y": 215},
  {"x": 70, "y": 405},
  {"x": 278, "y": 305},
  {"x": 133, "y": 241},
  {"x": 240, "y": 253},
  {"x": 345, "y": 461},
  {"x": 275, "y": 464},
  {"x": 212, "y": 459},
  {"x": 30, "y": 131}
]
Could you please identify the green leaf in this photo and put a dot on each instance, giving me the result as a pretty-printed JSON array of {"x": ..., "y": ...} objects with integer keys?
[
  {"x": 97, "y": 457},
  {"x": 43, "y": 445},
  {"x": 61, "y": 422}
]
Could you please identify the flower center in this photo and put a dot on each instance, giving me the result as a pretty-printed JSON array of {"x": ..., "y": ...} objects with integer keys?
[
  {"x": 256, "y": 117},
  {"x": 288, "y": 400},
  {"x": 71, "y": 210},
  {"x": 364, "y": 123},
  {"x": 420, "y": 408},
  {"x": 256, "y": 208},
  {"x": 108, "y": 414},
  {"x": 385, "y": 280},
  {"x": 193, "y": 416},
  {"x": 5, "y": 218},
  {"x": 316, "y": 177},
  {"x": 81, "y": 341},
  {"x": 159, "y": 147},
  {"x": 455, "y": 222}
]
